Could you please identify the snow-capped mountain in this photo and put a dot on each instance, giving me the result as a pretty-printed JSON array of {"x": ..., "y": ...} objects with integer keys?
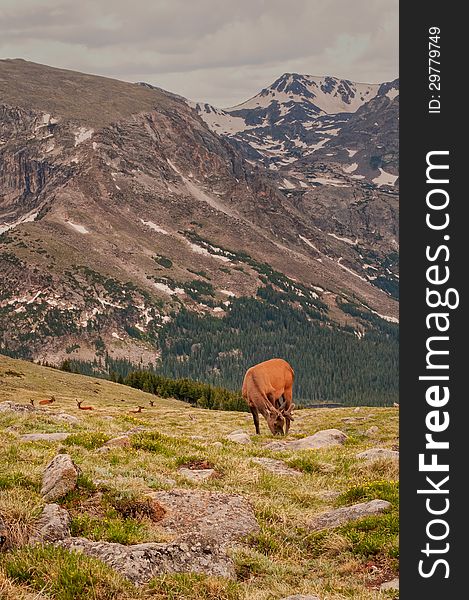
[{"x": 301, "y": 116}]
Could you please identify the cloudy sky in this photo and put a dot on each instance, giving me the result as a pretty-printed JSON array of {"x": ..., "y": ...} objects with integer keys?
[{"x": 219, "y": 51}]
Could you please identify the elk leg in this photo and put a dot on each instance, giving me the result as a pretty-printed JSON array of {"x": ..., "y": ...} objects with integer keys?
[
  {"x": 287, "y": 403},
  {"x": 255, "y": 416}
]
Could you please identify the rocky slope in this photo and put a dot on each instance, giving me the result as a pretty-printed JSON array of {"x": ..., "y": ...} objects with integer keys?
[{"x": 119, "y": 207}]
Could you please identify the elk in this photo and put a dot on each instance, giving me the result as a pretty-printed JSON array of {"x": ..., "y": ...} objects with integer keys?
[
  {"x": 139, "y": 409},
  {"x": 31, "y": 401},
  {"x": 152, "y": 402},
  {"x": 50, "y": 401},
  {"x": 264, "y": 386},
  {"x": 79, "y": 404}
]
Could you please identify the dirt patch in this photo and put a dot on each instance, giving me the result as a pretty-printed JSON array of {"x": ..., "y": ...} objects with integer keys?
[
  {"x": 146, "y": 508},
  {"x": 198, "y": 465}
]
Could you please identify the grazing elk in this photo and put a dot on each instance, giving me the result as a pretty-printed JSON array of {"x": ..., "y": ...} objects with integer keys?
[
  {"x": 139, "y": 409},
  {"x": 79, "y": 404},
  {"x": 264, "y": 386},
  {"x": 50, "y": 401}
]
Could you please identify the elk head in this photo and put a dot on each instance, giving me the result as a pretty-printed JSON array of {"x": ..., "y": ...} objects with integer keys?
[{"x": 275, "y": 421}]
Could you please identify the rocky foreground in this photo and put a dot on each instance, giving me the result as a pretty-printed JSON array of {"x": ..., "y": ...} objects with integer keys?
[{"x": 179, "y": 502}]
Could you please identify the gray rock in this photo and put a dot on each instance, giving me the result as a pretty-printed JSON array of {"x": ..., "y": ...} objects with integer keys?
[
  {"x": 13, "y": 406},
  {"x": 141, "y": 562},
  {"x": 378, "y": 453},
  {"x": 372, "y": 431},
  {"x": 45, "y": 437},
  {"x": 276, "y": 466},
  {"x": 357, "y": 409},
  {"x": 340, "y": 516},
  {"x": 52, "y": 525},
  {"x": 217, "y": 445},
  {"x": 240, "y": 437},
  {"x": 390, "y": 585},
  {"x": 67, "y": 418},
  {"x": 321, "y": 439},
  {"x": 215, "y": 515},
  {"x": 60, "y": 477},
  {"x": 353, "y": 419},
  {"x": 122, "y": 441},
  {"x": 196, "y": 474}
]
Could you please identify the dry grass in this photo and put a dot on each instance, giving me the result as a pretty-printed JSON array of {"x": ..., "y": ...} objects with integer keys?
[{"x": 283, "y": 559}]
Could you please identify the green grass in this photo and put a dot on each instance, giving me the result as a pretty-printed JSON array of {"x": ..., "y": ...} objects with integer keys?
[
  {"x": 193, "y": 587},
  {"x": 64, "y": 575},
  {"x": 111, "y": 501}
]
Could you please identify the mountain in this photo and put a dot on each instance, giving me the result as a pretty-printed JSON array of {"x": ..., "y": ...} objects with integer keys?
[
  {"x": 332, "y": 147},
  {"x": 132, "y": 231}
]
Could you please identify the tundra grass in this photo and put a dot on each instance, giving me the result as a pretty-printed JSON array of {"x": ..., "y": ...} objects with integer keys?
[{"x": 283, "y": 559}]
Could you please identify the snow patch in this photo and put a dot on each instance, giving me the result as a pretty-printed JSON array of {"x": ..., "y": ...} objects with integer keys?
[
  {"x": 344, "y": 239},
  {"x": 82, "y": 134},
  {"x": 154, "y": 226},
  {"x": 77, "y": 227},
  {"x": 350, "y": 168},
  {"x": 385, "y": 178}
]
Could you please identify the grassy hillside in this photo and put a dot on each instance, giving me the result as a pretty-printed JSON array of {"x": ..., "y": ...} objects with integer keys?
[{"x": 283, "y": 559}]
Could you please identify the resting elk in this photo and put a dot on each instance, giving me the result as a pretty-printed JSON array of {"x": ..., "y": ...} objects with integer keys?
[
  {"x": 79, "y": 405},
  {"x": 267, "y": 388},
  {"x": 44, "y": 402}
]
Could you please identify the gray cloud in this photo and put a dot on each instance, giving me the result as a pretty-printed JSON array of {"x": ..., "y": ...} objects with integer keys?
[{"x": 219, "y": 51}]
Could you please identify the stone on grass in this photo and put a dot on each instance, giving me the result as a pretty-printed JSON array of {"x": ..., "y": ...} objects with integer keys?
[
  {"x": 122, "y": 441},
  {"x": 390, "y": 585},
  {"x": 141, "y": 562},
  {"x": 321, "y": 439},
  {"x": 205, "y": 525},
  {"x": 60, "y": 477},
  {"x": 196, "y": 474},
  {"x": 240, "y": 437},
  {"x": 378, "y": 453},
  {"x": 52, "y": 525},
  {"x": 67, "y": 418},
  {"x": 216, "y": 515},
  {"x": 44, "y": 437},
  {"x": 372, "y": 431},
  {"x": 8, "y": 405},
  {"x": 217, "y": 444},
  {"x": 346, "y": 514},
  {"x": 278, "y": 467}
]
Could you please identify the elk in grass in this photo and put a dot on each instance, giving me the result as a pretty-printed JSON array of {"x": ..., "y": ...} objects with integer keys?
[
  {"x": 79, "y": 405},
  {"x": 267, "y": 388},
  {"x": 45, "y": 402}
]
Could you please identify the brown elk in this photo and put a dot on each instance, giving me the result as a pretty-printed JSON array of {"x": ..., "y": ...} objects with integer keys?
[
  {"x": 79, "y": 405},
  {"x": 264, "y": 386},
  {"x": 31, "y": 401},
  {"x": 152, "y": 402},
  {"x": 139, "y": 409},
  {"x": 50, "y": 401}
]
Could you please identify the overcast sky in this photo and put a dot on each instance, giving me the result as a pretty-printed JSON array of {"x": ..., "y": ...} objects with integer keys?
[{"x": 218, "y": 51}]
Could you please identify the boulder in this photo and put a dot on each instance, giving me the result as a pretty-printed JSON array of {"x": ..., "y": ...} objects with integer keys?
[
  {"x": 390, "y": 585},
  {"x": 122, "y": 441},
  {"x": 215, "y": 515},
  {"x": 44, "y": 437},
  {"x": 60, "y": 477},
  {"x": 378, "y": 453},
  {"x": 240, "y": 437},
  {"x": 372, "y": 431},
  {"x": 321, "y": 439},
  {"x": 64, "y": 417},
  {"x": 8, "y": 405},
  {"x": 52, "y": 525},
  {"x": 141, "y": 562},
  {"x": 278, "y": 467},
  {"x": 346, "y": 514}
]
